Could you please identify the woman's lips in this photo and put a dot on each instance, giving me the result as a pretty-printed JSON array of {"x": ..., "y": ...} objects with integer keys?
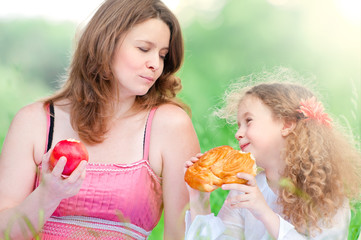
[{"x": 150, "y": 79}]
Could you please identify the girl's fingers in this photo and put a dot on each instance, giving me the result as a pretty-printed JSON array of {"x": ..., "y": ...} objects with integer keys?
[
  {"x": 188, "y": 164},
  {"x": 251, "y": 180},
  {"x": 194, "y": 159},
  {"x": 238, "y": 187},
  {"x": 239, "y": 205},
  {"x": 239, "y": 198}
]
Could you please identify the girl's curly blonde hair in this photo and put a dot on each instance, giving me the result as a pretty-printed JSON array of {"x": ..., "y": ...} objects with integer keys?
[{"x": 322, "y": 164}]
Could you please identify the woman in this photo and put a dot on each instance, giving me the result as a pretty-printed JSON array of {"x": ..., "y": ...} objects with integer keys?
[{"x": 119, "y": 100}]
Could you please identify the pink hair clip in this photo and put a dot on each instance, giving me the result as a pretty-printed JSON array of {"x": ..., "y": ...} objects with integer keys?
[{"x": 312, "y": 109}]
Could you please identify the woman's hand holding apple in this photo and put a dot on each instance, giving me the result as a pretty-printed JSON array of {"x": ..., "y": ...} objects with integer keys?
[
  {"x": 55, "y": 183},
  {"x": 73, "y": 150}
]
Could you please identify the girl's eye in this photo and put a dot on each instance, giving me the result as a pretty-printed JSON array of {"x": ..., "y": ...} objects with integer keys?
[
  {"x": 162, "y": 56},
  {"x": 248, "y": 120}
]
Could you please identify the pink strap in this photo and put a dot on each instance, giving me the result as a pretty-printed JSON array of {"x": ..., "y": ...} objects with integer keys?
[
  {"x": 37, "y": 179},
  {"x": 147, "y": 133}
]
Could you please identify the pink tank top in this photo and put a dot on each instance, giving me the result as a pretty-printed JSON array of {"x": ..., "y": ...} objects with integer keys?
[{"x": 116, "y": 201}]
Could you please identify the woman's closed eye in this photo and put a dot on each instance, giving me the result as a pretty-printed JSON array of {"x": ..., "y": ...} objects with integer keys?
[
  {"x": 163, "y": 56},
  {"x": 143, "y": 49}
]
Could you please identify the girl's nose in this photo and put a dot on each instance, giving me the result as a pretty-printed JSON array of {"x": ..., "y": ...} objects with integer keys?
[{"x": 239, "y": 134}]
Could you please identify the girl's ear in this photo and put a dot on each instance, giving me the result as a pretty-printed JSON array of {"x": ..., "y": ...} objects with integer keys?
[{"x": 288, "y": 127}]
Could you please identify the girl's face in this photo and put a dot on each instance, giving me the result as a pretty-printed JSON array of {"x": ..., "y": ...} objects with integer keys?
[
  {"x": 259, "y": 132},
  {"x": 139, "y": 58}
]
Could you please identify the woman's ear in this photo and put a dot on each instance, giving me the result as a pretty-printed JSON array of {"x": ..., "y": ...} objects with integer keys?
[{"x": 288, "y": 127}]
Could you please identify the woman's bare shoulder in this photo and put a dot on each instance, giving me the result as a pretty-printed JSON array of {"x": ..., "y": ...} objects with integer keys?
[
  {"x": 27, "y": 123},
  {"x": 31, "y": 112},
  {"x": 29, "y": 127},
  {"x": 170, "y": 114},
  {"x": 19, "y": 155},
  {"x": 172, "y": 123}
]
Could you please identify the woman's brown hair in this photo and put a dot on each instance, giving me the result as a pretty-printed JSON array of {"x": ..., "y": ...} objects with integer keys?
[{"x": 90, "y": 85}]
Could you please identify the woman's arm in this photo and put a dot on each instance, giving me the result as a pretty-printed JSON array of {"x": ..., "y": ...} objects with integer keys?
[
  {"x": 178, "y": 142},
  {"x": 18, "y": 159}
]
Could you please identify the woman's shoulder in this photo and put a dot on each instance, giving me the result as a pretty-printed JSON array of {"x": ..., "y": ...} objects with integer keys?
[
  {"x": 171, "y": 108},
  {"x": 170, "y": 114},
  {"x": 28, "y": 128},
  {"x": 31, "y": 113},
  {"x": 172, "y": 123},
  {"x": 30, "y": 120}
]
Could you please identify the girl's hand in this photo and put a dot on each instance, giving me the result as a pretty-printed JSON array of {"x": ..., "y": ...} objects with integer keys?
[
  {"x": 191, "y": 161},
  {"x": 199, "y": 203},
  {"x": 252, "y": 199},
  {"x": 193, "y": 193},
  {"x": 55, "y": 185}
]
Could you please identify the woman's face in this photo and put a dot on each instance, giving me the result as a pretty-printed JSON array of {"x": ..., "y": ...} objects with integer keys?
[
  {"x": 259, "y": 132},
  {"x": 139, "y": 58}
]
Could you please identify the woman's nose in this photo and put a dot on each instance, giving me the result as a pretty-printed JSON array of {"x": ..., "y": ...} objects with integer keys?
[{"x": 153, "y": 62}]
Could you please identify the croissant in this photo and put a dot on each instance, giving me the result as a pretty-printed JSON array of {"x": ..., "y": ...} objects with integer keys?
[{"x": 219, "y": 166}]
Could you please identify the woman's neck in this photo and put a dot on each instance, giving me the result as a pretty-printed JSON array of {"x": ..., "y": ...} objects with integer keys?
[{"x": 123, "y": 107}]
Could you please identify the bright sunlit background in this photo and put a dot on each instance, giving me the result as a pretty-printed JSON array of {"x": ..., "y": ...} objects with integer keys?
[
  {"x": 58, "y": 10},
  {"x": 79, "y": 11},
  {"x": 224, "y": 39}
]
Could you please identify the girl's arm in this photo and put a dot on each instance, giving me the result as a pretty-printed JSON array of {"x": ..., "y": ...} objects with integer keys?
[
  {"x": 199, "y": 202},
  {"x": 252, "y": 199},
  {"x": 338, "y": 229},
  {"x": 276, "y": 226},
  {"x": 228, "y": 225},
  {"x": 20, "y": 153},
  {"x": 178, "y": 142},
  {"x": 201, "y": 223}
]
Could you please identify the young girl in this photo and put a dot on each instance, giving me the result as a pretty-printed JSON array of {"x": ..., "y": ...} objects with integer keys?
[
  {"x": 120, "y": 101},
  {"x": 309, "y": 168}
]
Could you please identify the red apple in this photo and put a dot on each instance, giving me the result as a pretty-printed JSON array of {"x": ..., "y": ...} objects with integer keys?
[{"x": 73, "y": 150}]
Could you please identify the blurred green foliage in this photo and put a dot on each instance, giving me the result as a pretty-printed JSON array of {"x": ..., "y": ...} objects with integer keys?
[
  {"x": 37, "y": 48},
  {"x": 222, "y": 43}
]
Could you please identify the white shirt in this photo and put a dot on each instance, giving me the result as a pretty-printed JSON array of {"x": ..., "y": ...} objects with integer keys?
[{"x": 232, "y": 224}]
